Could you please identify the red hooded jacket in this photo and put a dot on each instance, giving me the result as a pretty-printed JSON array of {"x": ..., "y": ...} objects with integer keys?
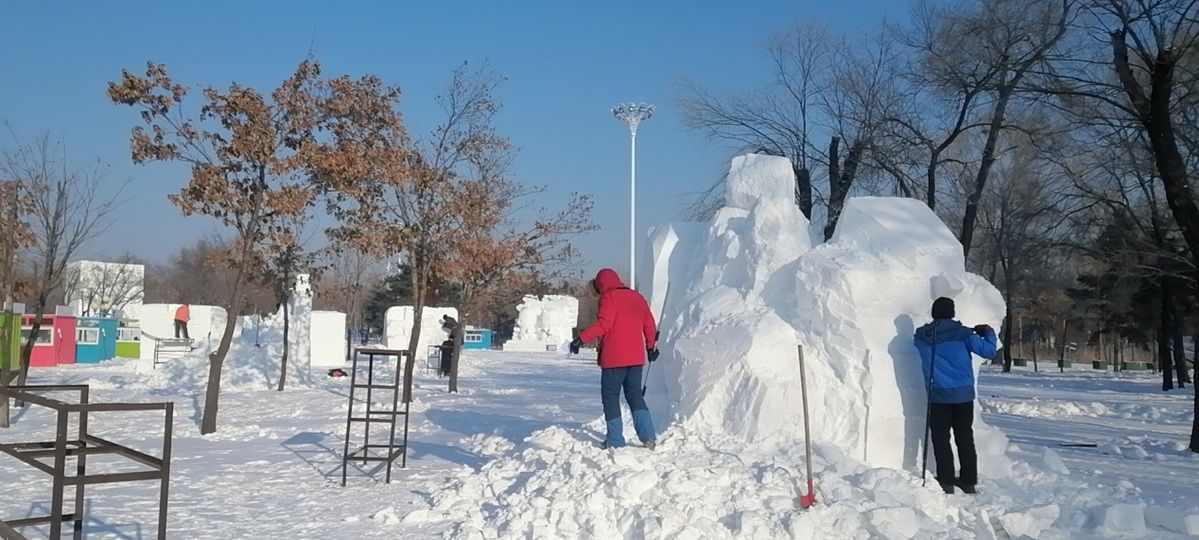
[{"x": 624, "y": 323}]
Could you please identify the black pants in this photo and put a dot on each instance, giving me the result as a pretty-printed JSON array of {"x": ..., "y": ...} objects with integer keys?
[
  {"x": 181, "y": 330},
  {"x": 958, "y": 417}
]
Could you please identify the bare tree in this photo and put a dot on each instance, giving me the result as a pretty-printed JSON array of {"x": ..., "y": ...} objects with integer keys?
[
  {"x": 1010, "y": 39},
  {"x": 104, "y": 288},
  {"x": 859, "y": 101},
  {"x": 69, "y": 207},
  {"x": 1024, "y": 213},
  {"x": 347, "y": 285},
  {"x": 778, "y": 119},
  {"x": 15, "y": 207}
]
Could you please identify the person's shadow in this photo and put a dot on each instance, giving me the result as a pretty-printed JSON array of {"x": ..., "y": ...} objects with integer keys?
[{"x": 910, "y": 379}]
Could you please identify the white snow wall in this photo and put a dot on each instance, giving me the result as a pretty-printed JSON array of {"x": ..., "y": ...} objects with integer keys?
[
  {"x": 158, "y": 321},
  {"x": 328, "y": 339},
  {"x": 738, "y": 294},
  {"x": 397, "y": 327}
]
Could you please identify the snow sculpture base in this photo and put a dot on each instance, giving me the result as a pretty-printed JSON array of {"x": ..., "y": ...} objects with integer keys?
[
  {"x": 544, "y": 324},
  {"x": 739, "y": 294}
]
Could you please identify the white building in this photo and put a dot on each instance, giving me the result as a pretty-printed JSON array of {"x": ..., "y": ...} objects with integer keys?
[{"x": 96, "y": 288}]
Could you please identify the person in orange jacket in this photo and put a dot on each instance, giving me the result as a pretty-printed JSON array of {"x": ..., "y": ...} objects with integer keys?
[{"x": 182, "y": 316}]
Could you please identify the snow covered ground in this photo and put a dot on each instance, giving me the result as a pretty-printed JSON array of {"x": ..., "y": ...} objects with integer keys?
[{"x": 514, "y": 455}]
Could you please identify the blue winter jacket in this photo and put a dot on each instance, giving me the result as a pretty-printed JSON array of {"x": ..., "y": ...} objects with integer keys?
[{"x": 945, "y": 346}]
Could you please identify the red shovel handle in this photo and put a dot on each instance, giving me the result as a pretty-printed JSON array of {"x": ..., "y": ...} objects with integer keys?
[{"x": 806, "y": 501}]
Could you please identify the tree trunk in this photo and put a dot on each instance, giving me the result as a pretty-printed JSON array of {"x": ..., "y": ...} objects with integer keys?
[
  {"x": 458, "y": 337},
  {"x": 1154, "y": 111},
  {"x": 1180, "y": 354},
  {"x": 1035, "y": 355},
  {"x": 286, "y": 344},
  {"x": 1195, "y": 425},
  {"x": 984, "y": 168},
  {"x": 1164, "y": 357},
  {"x": 1061, "y": 357},
  {"x": 931, "y": 177},
  {"x": 1007, "y": 340},
  {"x": 803, "y": 188},
  {"x": 216, "y": 360},
  {"x": 39, "y": 306},
  {"x": 419, "y": 286},
  {"x": 841, "y": 180}
]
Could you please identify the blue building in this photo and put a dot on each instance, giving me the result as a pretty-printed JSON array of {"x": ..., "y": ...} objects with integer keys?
[
  {"x": 95, "y": 339},
  {"x": 476, "y": 338}
]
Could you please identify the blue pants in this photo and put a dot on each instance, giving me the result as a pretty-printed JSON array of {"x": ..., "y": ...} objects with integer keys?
[{"x": 612, "y": 380}]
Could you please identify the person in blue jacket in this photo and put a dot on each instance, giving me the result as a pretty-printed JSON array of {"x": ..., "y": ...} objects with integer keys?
[{"x": 945, "y": 347}]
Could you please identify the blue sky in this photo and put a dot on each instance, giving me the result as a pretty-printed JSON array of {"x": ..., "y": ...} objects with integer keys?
[{"x": 567, "y": 63}]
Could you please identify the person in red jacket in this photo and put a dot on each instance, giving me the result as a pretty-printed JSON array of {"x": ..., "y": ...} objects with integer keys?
[{"x": 627, "y": 332}]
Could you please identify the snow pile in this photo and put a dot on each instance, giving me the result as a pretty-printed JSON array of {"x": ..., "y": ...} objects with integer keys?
[
  {"x": 247, "y": 368},
  {"x": 558, "y": 484},
  {"x": 254, "y": 358},
  {"x": 748, "y": 288},
  {"x": 544, "y": 323}
]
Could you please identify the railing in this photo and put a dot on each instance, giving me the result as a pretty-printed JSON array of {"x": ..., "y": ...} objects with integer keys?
[
  {"x": 62, "y": 449},
  {"x": 167, "y": 349}
]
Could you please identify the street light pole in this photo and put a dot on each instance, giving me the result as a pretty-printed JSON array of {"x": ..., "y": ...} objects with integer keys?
[{"x": 633, "y": 114}]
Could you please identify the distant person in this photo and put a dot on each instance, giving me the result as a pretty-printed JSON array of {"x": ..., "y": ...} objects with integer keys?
[
  {"x": 448, "y": 324},
  {"x": 182, "y": 316},
  {"x": 945, "y": 346},
  {"x": 627, "y": 333}
]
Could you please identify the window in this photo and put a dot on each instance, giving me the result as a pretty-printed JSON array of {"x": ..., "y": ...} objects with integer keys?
[
  {"x": 45, "y": 336},
  {"x": 87, "y": 336},
  {"x": 473, "y": 337},
  {"x": 129, "y": 334}
]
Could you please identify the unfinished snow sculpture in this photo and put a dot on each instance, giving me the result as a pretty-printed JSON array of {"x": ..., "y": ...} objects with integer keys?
[
  {"x": 397, "y": 327},
  {"x": 747, "y": 289},
  {"x": 544, "y": 323}
]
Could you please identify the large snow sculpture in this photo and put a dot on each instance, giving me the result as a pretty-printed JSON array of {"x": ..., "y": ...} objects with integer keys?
[
  {"x": 743, "y": 291},
  {"x": 544, "y": 323}
]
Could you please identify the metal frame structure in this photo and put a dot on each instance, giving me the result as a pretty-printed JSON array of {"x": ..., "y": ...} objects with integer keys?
[
  {"x": 391, "y": 450},
  {"x": 62, "y": 448}
]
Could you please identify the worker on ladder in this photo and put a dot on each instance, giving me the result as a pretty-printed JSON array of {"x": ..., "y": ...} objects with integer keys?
[{"x": 182, "y": 316}]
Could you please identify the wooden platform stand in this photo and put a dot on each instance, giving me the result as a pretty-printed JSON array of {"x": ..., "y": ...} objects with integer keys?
[
  {"x": 62, "y": 449},
  {"x": 384, "y": 453}
]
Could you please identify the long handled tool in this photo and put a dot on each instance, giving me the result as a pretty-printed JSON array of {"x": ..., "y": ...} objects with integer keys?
[
  {"x": 657, "y": 335},
  {"x": 806, "y": 501},
  {"x": 928, "y": 410}
]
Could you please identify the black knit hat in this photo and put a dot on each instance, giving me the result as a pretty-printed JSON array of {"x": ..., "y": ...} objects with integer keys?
[{"x": 943, "y": 308}]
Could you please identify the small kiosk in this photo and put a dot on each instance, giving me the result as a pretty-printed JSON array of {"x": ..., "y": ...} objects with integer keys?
[
  {"x": 95, "y": 339},
  {"x": 476, "y": 338},
  {"x": 129, "y": 339},
  {"x": 55, "y": 343}
]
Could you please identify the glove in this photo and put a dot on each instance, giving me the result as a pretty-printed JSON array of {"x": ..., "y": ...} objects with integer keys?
[
  {"x": 983, "y": 330},
  {"x": 575, "y": 345},
  {"x": 652, "y": 354}
]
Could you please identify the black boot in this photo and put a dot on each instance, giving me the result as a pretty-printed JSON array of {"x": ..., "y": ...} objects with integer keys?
[
  {"x": 967, "y": 488},
  {"x": 947, "y": 488}
]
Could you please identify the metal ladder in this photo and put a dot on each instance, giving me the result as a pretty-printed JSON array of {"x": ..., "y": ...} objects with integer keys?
[{"x": 389, "y": 451}]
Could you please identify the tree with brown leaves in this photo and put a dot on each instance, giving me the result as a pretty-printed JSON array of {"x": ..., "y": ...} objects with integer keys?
[
  {"x": 252, "y": 157},
  {"x": 15, "y": 208}
]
